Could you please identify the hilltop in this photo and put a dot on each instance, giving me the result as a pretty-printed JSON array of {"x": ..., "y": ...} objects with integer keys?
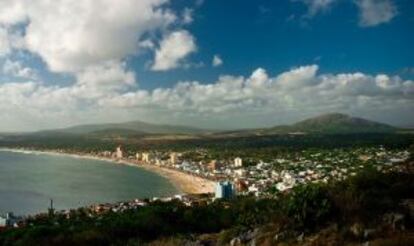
[
  {"x": 332, "y": 123},
  {"x": 336, "y": 123}
]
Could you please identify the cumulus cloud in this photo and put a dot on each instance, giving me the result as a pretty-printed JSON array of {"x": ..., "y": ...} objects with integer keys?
[
  {"x": 70, "y": 35},
  {"x": 375, "y": 12},
  {"x": 275, "y": 99},
  {"x": 173, "y": 49},
  {"x": 217, "y": 61},
  {"x": 112, "y": 76}
]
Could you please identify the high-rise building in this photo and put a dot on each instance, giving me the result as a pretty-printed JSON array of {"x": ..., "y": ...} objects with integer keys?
[
  {"x": 238, "y": 162},
  {"x": 173, "y": 158},
  {"x": 119, "y": 153},
  {"x": 224, "y": 189}
]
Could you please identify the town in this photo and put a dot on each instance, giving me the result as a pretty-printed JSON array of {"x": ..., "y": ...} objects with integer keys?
[
  {"x": 239, "y": 176},
  {"x": 262, "y": 178}
]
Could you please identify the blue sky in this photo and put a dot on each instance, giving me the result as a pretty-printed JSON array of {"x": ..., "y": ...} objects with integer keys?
[
  {"x": 276, "y": 36},
  {"x": 66, "y": 63}
]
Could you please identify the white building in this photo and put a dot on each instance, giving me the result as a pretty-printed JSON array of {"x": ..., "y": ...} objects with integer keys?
[
  {"x": 240, "y": 172},
  {"x": 119, "y": 153},
  {"x": 3, "y": 221},
  {"x": 173, "y": 158},
  {"x": 146, "y": 157},
  {"x": 9, "y": 220},
  {"x": 238, "y": 162}
]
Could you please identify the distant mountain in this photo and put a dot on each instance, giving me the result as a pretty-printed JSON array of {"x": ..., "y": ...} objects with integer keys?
[
  {"x": 335, "y": 123},
  {"x": 127, "y": 128}
]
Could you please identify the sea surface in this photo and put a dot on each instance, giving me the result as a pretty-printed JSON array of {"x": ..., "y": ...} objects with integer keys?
[{"x": 29, "y": 180}]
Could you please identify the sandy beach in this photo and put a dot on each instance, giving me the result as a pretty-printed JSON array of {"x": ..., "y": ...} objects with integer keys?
[{"x": 184, "y": 182}]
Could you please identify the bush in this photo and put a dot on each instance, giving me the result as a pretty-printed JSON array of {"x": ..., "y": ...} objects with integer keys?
[{"x": 309, "y": 206}]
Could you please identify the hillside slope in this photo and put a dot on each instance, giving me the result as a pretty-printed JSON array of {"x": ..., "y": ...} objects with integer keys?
[
  {"x": 335, "y": 123},
  {"x": 132, "y": 127}
]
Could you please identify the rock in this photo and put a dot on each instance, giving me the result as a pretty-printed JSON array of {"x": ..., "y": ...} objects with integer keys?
[
  {"x": 235, "y": 241},
  {"x": 395, "y": 220},
  {"x": 357, "y": 230},
  {"x": 368, "y": 233},
  {"x": 249, "y": 235},
  {"x": 300, "y": 237},
  {"x": 280, "y": 236},
  {"x": 253, "y": 242}
]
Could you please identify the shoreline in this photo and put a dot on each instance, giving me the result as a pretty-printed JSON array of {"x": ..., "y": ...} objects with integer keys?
[{"x": 183, "y": 182}]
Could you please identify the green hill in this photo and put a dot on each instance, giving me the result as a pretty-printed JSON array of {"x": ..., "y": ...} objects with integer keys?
[
  {"x": 335, "y": 123},
  {"x": 132, "y": 127}
]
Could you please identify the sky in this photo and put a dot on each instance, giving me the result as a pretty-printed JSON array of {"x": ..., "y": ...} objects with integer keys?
[{"x": 210, "y": 64}]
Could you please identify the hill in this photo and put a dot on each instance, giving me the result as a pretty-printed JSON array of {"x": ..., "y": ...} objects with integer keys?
[
  {"x": 334, "y": 123},
  {"x": 127, "y": 128}
]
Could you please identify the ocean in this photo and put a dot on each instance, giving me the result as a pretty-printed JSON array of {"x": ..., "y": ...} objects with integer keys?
[{"x": 29, "y": 180}]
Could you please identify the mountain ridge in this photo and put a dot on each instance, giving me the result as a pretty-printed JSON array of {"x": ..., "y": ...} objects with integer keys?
[
  {"x": 136, "y": 127},
  {"x": 336, "y": 123},
  {"x": 331, "y": 123}
]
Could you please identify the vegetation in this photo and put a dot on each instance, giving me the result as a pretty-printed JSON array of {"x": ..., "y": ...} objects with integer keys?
[{"x": 362, "y": 200}]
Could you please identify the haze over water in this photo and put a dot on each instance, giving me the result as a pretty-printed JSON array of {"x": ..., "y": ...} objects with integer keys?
[{"x": 29, "y": 181}]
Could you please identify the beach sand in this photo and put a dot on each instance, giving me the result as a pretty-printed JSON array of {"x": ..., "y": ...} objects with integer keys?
[{"x": 184, "y": 182}]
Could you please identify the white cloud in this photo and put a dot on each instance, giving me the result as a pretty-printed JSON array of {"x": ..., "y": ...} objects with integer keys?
[
  {"x": 4, "y": 42},
  {"x": 217, "y": 61},
  {"x": 316, "y": 6},
  {"x": 231, "y": 101},
  {"x": 105, "y": 79},
  {"x": 17, "y": 69},
  {"x": 70, "y": 35},
  {"x": 187, "y": 17},
  {"x": 173, "y": 49},
  {"x": 12, "y": 12},
  {"x": 375, "y": 12}
]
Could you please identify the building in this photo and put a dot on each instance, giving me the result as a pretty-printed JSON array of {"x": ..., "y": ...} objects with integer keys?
[
  {"x": 138, "y": 156},
  {"x": 3, "y": 221},
  {"x": 106, "y": 153},
  {"x": 241, "y": 185},
  {"x": 119, "y": 153},
  {"x": 9, "y": 220},
  {"x": 224, "y": 190},
  {"x": 238, "y": 162},
  {"x": 146, "y": 157},
  {"x": 214, "y": 165},
  {"x": 173, "y": 158}
]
